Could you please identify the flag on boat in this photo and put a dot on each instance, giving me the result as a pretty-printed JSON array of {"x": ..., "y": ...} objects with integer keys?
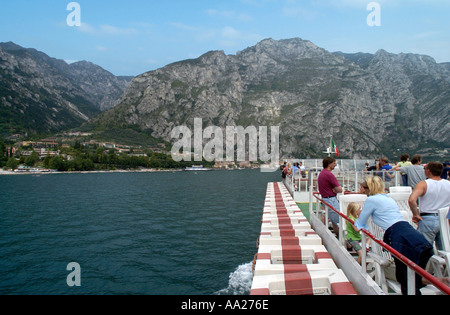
[{"x": 334, "y": 148}]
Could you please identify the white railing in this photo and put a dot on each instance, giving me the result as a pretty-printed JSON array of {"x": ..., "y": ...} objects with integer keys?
[
  {"x": 412, "y": 268},
  {"x": 350, "y": 180},
  {"x": 350, "y": 174}
]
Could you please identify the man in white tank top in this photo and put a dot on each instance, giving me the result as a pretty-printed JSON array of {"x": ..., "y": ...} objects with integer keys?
[{"x": 433, "y": 194}]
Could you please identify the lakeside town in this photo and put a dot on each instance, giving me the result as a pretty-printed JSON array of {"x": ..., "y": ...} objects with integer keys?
[{"x": 79, "y": 152}]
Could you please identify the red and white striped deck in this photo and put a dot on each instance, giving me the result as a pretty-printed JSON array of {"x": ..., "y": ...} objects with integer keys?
[{"x": 291, "y": 258}]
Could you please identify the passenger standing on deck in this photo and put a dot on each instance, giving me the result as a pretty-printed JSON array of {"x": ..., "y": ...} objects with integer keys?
[
  {"x": 398, "y": 232},
  {"x": 415, "y": 172},
  {"x": 302, "y": 169},
  {"x": 404, "y": 161},
  {"x": 446, "y": 170},
  {"x": 385, "y": 173},
  {"x": 283, "y": 174},
  {"x": 296, "y": 176},
  {"x": 288, "y": 170},
  {"x": 433, "y": 194},
  {"x": 329, "y": 187}
]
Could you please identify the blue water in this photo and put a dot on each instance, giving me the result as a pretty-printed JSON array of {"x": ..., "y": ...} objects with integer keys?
[{"x": 131, "y": 233}]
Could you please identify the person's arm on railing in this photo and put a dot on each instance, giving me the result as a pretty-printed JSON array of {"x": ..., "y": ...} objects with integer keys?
[{"x": 361, "y": 222}]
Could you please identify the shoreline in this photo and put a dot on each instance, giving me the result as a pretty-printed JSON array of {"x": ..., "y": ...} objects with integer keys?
[{"x": 11, "y": 173}]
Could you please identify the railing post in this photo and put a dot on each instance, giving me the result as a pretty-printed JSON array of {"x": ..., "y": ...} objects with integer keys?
[
  {"x": 364, "y": 253},
  {"x": 311, "y": 190},
  {"x": 317, "y": 208},
  {"x": 341, "y": 232},
  {"x": 411, "y": 281},
  {"x": 412, "y": 269}
]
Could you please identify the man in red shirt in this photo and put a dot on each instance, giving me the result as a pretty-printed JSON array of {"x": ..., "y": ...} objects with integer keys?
[{"x": 329, "y": 187}]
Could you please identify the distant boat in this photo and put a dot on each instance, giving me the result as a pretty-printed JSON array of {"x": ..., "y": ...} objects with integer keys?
[{"x": 197, "y": 168}]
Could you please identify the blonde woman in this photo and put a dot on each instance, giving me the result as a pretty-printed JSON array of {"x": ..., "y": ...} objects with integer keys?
[{"x": 398, "y": 232}]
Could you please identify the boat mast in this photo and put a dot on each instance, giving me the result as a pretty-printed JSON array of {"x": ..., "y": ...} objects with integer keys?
[{"x": 330, "y": 149}]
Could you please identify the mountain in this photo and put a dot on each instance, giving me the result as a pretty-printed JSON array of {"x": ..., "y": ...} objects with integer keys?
[
  {"x": 371, "y": 104},
  {"x": 42, "y": 94}
]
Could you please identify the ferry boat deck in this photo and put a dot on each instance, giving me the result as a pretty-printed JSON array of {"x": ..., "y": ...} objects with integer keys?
[{"x": 299, "y": 255}]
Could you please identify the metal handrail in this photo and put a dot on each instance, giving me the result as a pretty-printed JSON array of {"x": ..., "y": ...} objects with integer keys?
[
  {"x": 348, "y": 178},
  {"x": 410, "y": 264}
]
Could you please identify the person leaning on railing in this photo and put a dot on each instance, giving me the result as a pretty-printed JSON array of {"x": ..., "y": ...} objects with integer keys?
[
  {"x": 329, "y": 187},
  {"x": 431, "y": 194},
  {"x": 415, "y": 172},
  {"x": 398, "y": 232},
  {"x": 385, "y": 172}
]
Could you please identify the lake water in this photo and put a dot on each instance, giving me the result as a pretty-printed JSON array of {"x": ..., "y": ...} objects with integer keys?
[{"x": 131, "y": 233}]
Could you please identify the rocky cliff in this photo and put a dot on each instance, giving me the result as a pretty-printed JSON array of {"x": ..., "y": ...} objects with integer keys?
[
  {"x": 371, "y": 104},
  {"x": 42, "y": 94}
]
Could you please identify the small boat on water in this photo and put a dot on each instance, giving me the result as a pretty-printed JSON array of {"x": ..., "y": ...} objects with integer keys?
[{"x": 197, "y": 168}]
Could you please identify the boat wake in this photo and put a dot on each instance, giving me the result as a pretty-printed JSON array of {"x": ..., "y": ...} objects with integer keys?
[{"x": 240, "y": 282}]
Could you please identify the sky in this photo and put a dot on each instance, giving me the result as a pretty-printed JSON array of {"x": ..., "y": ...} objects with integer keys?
[{"x": 130, "y": 37}]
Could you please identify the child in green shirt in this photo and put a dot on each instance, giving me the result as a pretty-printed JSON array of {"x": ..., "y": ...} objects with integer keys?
[{"x": 353, "y": 235}]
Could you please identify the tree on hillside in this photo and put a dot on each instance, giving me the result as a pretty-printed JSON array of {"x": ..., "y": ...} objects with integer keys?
[
  {"x": 12, "y": 163},
  {"x": 32, "y": 159}
]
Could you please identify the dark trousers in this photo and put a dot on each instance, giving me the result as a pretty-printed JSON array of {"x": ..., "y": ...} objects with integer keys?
[{"x": 413, "y": 245}]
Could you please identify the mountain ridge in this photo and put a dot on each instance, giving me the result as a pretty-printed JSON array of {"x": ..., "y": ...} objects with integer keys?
[
  {"x": 41, "y": 94},
  {"x": 371, "y": 104}
]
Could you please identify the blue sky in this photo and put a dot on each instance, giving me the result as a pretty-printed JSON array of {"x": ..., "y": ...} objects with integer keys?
[{"x": 135, "y": 36}]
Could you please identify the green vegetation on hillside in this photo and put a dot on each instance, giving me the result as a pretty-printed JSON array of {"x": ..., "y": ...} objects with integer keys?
[{"x": 91, "y": 158}]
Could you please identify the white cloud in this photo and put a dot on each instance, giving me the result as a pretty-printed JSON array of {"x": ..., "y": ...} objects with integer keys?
[
  {"x": 354, "y": 4},
  {"x": 257, "y": 3},
  {"x": 230, "y": 36},
  {"x": 228, "y": 14},
  {"x": 358, "y": 4},
  {"x": 117, "y": 31},
  {"x": 86, "y": 28},
  {"x": 230, "y": 33},
  {"x": 298, "y": 11},
  {"x": 224, "y": 13},
  {"x": 69, "y": 61},
  {"x": 107, "y": 30},
  {"x": 151, "y": 61},
  {"x": 184, "y": 26},
  {"x": 425, "y": 35},
  {"x": 227, "y": 36},
  {"x": 198, "y": 33},
  {"x": 101, "y": 48}
]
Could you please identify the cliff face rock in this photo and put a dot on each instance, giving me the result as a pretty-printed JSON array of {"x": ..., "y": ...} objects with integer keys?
[
  {"x": 371, "y": 104},
  {"x": 43, "y": 94}
]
